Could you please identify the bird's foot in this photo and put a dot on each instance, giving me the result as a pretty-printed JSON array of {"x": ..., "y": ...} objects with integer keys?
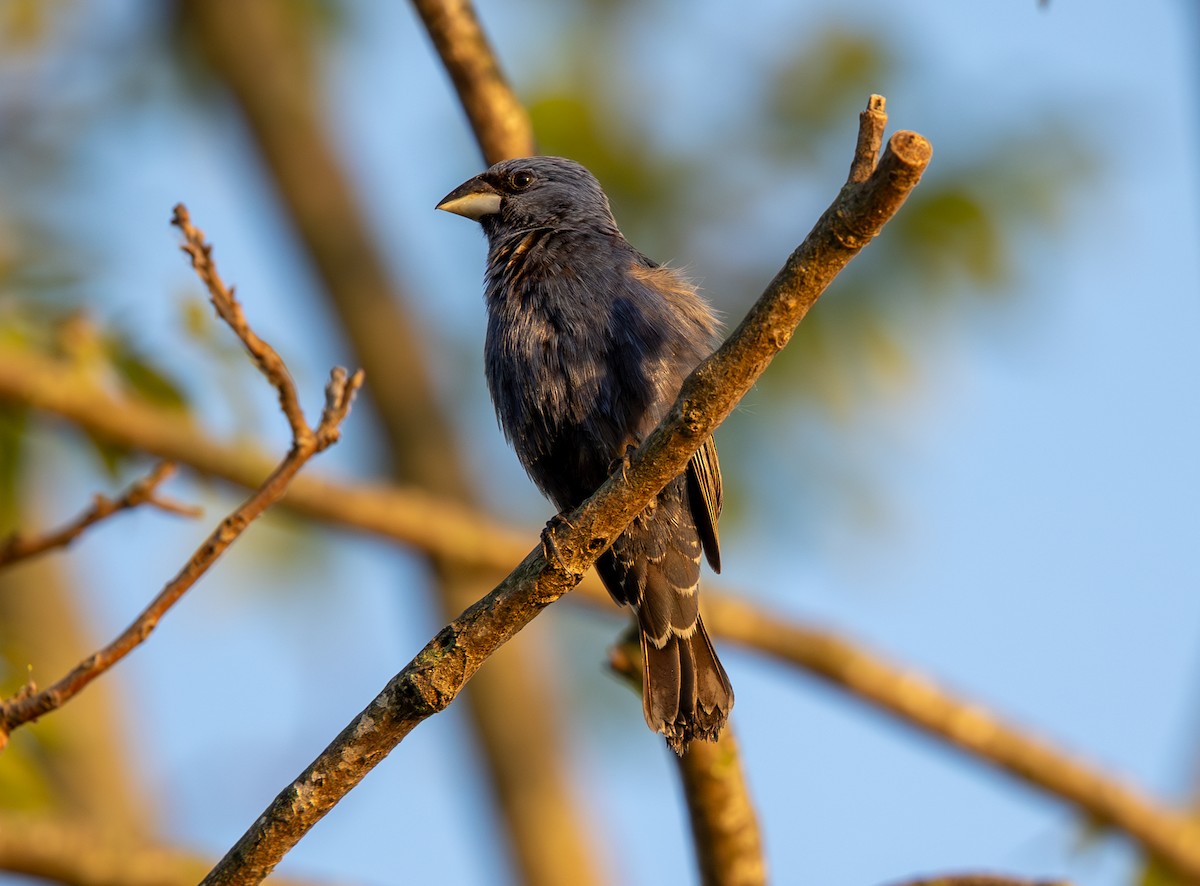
[
  {"x": 549, "y": 545},
  {"x": 622, "y": 462}
]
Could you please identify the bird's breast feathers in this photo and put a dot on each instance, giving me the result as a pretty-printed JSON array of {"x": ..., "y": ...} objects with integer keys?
[{"x": 586, "y": 347}]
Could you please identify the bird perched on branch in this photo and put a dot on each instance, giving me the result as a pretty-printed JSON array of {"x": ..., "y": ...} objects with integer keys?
[{"x": 588, "y": 343}]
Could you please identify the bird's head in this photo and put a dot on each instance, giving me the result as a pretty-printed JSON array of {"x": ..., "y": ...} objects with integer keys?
[{"x": 532, "y": 192}]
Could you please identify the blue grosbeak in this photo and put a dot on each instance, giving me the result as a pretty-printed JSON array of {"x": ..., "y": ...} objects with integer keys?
[{"x": 588, "y": 343}]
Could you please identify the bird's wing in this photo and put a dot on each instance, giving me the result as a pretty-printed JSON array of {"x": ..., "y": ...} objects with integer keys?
[{"x": 704, "y": 487}]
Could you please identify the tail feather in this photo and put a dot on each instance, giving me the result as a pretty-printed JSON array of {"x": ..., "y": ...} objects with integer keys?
[
  {"x": 686, "y": 693},
  {"x": 654, "y": 567}
]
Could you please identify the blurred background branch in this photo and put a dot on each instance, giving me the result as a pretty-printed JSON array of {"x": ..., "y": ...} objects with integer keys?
[
  {"x": 78, "y": 854},
  {"x": 431, "y": 523},
  {"x": 267, "y": 60},
  {"x": 1166, "y": 834},
  {"x": 726, "y": 837},
  {"x": 498, "y": 120}
]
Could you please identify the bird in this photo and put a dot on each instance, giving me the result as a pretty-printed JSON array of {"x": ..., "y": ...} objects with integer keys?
[{"x": 588, "y": 343}]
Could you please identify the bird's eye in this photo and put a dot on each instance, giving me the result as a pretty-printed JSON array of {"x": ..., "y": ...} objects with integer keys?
[{"x": 521, "y": 180}]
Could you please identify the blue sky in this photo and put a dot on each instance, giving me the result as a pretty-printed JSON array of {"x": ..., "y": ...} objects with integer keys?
[{"x": 1041, "y": 479}]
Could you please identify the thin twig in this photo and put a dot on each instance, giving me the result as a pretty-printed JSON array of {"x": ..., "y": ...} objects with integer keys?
[
  {"x": 871, "y": 124},
  {"x": 726, "y": 837},
  {"x": 142, "y": 492},
  {"x": 230, "y": 310},
  {"x": 498, "y": 120},
  {"x": 432, "y": 680},
  {"x": 269, "y": 62},
  {"x": 29, "y": 704}
]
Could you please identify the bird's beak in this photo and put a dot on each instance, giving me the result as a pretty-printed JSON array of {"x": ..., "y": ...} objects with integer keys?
[{"x": 472, "y": 199}]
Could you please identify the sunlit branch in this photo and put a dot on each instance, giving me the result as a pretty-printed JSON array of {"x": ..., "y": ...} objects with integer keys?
[
  {"x": 435, "y": 677},
  {"x": 29, "y": 703}
]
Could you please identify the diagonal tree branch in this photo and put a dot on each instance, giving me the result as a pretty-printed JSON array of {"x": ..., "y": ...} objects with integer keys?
[
  {"x": 143, "y": 492},
  {"x": 29, "y": 704},
  {"x": 445, "y": 530},
  {"x": 435, "y": 677}
]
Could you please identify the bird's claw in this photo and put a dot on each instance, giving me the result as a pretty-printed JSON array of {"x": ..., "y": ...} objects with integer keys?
[
  {"x": 622, "y": 462},
  {"x": 549, "y": 545}
]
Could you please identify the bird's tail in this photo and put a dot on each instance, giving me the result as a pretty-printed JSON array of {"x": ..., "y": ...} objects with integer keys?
[{"x": 686, "y": 693}]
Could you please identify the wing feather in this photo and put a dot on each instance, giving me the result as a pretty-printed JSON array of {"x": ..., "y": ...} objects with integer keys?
[{"x": 704, "y": 487}]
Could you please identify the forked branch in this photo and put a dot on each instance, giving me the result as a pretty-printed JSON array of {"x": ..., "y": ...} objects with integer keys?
[
  {"x": 435, "y": 677},
  {"x": 29, "y": 703}
]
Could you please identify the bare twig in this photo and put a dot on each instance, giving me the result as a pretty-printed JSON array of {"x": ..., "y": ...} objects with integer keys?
[
  {"x": 725, "y": 832},
  {"x": 29, "y": 704},
  {"x": 871, "y": 124},
  {"x": 270, "y": 66},
  {"x": 142, "y": 492},
  {"x": 230, "y": 310},
  {"x": 435, "y": 677},
  {"x": 497, "y": 118}
]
